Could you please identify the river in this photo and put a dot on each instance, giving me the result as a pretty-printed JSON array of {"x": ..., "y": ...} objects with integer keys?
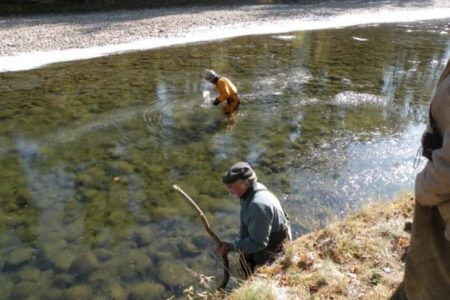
[{"x": 330, "y": 119}]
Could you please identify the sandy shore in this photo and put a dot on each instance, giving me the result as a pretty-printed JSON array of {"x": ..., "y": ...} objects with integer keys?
[{"x": 114, "y": 32}]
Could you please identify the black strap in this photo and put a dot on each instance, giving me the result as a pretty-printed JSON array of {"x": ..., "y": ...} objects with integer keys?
[
  {"x": 431, "y": 141},
  {"x": 433, "y": 124},
  {"x": 252, "y": 196}
]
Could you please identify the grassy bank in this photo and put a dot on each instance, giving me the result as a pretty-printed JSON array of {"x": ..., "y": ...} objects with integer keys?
[
  {"x": 358, "y": 258},
  {"x": 31, "y": 7}
]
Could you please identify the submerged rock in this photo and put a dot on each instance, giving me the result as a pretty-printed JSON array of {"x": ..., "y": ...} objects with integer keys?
[
  {"x": 63, "y": 260},
  {"x": 77, "y": 292},
  {"x": 172, "y": 273},
  {"x": 24, "y": 289},
  {"x": 23, "y": 198},
  {"x": 29, "y": 274},
  {"x": 74, "y": 231},
  {"x": 6, "y": 284},
  {"x": 85, "y": 264},
  {"x": 104, "y": 254},
  {"x": 19, "y": 256},
  {"x": 120, "y": 168},
  {"x": 188, "y": 248},
  {"x": 201, "y": 241},
  {"x": 52, "y": 294},
  {"x": 52, "y": 245},
  {"x": 63, "y": 280},
  {"x": 146, "y": 291},
  {"x": 136, "y": 263},
  {"x": 116, "y": 292},
  {"x": 143, "y": 236},
  {"x": 166, "y": 249}
]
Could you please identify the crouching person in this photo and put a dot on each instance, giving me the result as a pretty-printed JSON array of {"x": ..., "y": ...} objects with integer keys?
[{"x": 264, "y": 226}]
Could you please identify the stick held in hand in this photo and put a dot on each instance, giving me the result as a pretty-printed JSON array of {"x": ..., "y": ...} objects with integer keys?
[{"x": 226, "y": 264}]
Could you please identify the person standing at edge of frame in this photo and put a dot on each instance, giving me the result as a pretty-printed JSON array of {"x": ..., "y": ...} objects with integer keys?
[
  {"x": 427, "y": 268},
  {"x": 264, "y": 226}
]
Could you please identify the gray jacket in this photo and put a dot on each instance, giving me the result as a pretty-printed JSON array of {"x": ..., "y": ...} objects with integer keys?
[{"x": 261, "y": 214}]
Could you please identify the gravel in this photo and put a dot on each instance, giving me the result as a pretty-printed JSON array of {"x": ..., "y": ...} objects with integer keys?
[{"x": 59, "y": 32}]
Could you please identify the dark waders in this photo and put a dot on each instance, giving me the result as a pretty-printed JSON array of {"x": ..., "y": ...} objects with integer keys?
[{"x": 249, "y": 262}]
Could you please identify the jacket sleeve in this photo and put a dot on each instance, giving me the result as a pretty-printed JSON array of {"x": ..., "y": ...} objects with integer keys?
[
  {"x": 223, "y": 90},
  {"x": 433, "y": 182},
  {"x": 259, "y": 228}
]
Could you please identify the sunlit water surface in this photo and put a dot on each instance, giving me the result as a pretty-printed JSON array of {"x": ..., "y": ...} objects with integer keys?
[{"x": 89, "y": 151}]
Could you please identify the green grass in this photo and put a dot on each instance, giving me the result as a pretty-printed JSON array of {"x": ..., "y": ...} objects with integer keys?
[{"x": 358, "y": 258}]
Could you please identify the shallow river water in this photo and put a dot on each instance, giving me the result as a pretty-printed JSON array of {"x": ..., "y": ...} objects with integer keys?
[{"x": 89, "y": 151}]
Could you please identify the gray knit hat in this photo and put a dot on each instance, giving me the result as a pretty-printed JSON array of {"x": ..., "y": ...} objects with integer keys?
[
  {"x": 210, "y": 75},
  {"x": 240, "y": 170}
]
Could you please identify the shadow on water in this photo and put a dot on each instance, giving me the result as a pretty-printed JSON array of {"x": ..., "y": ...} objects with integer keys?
[{"x": 89, "y": 151}]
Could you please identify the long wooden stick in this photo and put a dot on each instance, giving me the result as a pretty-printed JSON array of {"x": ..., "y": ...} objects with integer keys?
[{"x": 226, "y": 263}]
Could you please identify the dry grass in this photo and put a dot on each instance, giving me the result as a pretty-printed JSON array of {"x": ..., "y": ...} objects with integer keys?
[{"x": 358, "y": 258}]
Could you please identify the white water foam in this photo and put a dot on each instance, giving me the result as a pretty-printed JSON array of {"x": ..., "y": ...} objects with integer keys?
[{"x": 25, "y": 61}]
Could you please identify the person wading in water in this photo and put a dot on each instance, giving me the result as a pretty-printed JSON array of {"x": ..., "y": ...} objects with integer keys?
[{"x": 226, "y": 90}]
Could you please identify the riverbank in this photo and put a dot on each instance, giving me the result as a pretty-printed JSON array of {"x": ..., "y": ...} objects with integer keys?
[
  {"x": 31, "y": 42},
  {"x": 360, "y": 257},
  {"x": 33, "y": 7}
]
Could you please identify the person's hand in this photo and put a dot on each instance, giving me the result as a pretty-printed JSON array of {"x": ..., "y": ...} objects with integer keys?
[
  {"x": 223, "y": 248},
  {"x": 216, "y": 101},
  {"x": 447, "y": 232}
]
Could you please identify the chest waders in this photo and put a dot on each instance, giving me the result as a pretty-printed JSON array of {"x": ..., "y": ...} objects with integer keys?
[
  {"x": 249, "y": 262},
  {"x": 232, "y": 105}
]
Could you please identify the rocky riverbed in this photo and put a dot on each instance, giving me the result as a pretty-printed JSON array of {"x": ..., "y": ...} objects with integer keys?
[{"x": 178, "y": 25}]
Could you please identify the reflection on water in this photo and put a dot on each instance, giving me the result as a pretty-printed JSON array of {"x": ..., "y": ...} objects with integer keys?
[{"x": 89, "y": 151}]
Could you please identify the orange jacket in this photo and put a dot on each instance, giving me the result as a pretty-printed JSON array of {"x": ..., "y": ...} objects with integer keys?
[{"x": 227, "y": 91}]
